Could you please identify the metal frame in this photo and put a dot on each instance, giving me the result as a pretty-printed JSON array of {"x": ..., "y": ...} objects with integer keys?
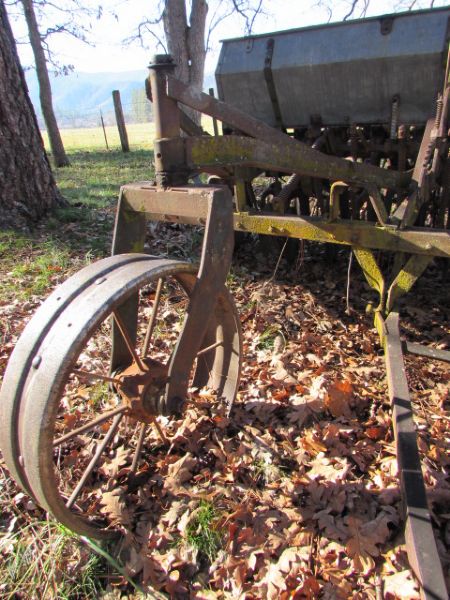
[{"x": 237, "y": 159}]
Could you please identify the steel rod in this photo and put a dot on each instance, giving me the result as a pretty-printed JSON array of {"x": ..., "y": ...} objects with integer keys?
[
  {"x": 128, "y": 342},
  {"x": 208, "y": 348},
  {"x": 90, "y": 425},
  {"x": 91, "y": 466},
  {"x": 94, "y": 375},
  {"x": 159, "y": 430},
  {"x": 139, "y": 445},
  {"x": 151, "y": 324}
]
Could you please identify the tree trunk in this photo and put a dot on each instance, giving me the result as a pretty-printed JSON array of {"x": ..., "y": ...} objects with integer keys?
[
  {"x": 45, "y": 91},
  {"x": 186, "y": 42},
  {"x": 27, "y": 187}
]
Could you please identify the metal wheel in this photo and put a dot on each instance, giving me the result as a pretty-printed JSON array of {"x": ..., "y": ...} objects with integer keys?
[{"x": 79, "y": 432}]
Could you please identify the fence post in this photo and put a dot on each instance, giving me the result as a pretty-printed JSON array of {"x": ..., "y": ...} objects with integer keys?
[
  {"x": 104, "y": 130},
  {"x": 120, "y": 121}
]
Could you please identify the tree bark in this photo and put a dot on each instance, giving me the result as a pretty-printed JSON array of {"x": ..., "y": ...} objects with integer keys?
[
  {"x": 186, "y": 42},
  {"x": 45, "y": 90},
  {"x": 27, "y": 187}
]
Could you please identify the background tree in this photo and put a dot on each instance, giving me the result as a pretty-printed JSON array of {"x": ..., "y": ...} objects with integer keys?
[
  {"x": 187, "y": 37},
  {"x": 45, "y": 90},
  {"x": 357, "y": 9},
  {"x": 68, "y": 18},
  {"x": 27, "y": 187}
]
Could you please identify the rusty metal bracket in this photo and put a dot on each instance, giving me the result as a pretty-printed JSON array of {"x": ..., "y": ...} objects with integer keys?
[
  {"x": 337, "y": 188},
  {"x": 269, "y": 138},
  {"x": 421, "y": 547},
  {"x": 268, "y": 76},
  {"x": 378, "y": 205},
  {"x": 426, "y": 351},
  {"x": 372, "y": 273},
  {"x": 196, "y": 205},
  {"x": 406, "y": 278},
  {"x": 214, "y": 266}
]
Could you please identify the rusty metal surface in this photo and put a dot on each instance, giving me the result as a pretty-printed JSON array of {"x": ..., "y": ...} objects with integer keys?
[
  {"x": 278, "y": 155},
  {"x": 215, "y": 263},
  {"x": 426, "y": 351},
  {"x": 420, "y": 543},
  {"x": 343, "y": 71},
  {"x": 88, "y": 298},
  {"x": 189, "y": 205},
  {"x": 25, "y": 357}
]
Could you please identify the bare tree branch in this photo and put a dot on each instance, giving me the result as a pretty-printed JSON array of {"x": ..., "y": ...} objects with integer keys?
[{"x": 351, "y": 11}]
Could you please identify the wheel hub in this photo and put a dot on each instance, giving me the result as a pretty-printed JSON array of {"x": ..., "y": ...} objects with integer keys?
[{"x": 144, "y": 392}]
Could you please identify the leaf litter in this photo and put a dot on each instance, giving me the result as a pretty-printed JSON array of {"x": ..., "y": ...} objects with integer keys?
[{"x": 299, "y": 481}]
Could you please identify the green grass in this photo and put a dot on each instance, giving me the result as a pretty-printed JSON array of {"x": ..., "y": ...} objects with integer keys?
[
  {"x": 202, "y": 533},
  {"x": 31, "y": 264},
  {"x": 46, "y": 559},
  {"x": 41, "y": 558},
  {"x": 267, "y": 337},
  {"x": 140, "y": 135},
  {"x": 99, "y": 392},
  {"x": 94, "y": 178}
]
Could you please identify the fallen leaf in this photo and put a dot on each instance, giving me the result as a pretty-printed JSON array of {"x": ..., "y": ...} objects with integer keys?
[
  {"x": 179, "y": 472},
  {"x": 338, "y": 398},
  {"x": 400, "y": 586}
]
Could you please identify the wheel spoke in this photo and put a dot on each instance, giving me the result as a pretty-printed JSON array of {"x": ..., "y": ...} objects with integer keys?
[
  {"x": 94, "y": 460},
  {"x": 128, "y": 342},
  {"x": 159, "y": 430},
  {"x": 151, "y": 323},
  {"x": 208, "y": 348},
  {"x": 140, "y": 443},
  {"x": 93, "y": 375},
  {"x": 90, "y": 425}
]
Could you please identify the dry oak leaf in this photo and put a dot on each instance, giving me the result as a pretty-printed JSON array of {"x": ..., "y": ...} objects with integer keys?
[
  {"x": 338, "y": 398},
  {"x": 364, "y": 540},
  {"x": 179, "y": 472},
  {"x": 120, "y": 458},
  {"x": 331, "y": 470},
  {"x": 400, "y": 586},
  {"x": 113, "y": 505}
]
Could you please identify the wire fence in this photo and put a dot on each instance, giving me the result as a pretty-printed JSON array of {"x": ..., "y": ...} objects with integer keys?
[{"x": 96, "y": 128}]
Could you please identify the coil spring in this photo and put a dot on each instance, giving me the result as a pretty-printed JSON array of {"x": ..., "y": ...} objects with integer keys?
[
  {"x": 284, "y": 195},
  {"x": 437, "y": 124},
  {"x": 394, "y": 118},
  {"x": 439, "y": 110}
]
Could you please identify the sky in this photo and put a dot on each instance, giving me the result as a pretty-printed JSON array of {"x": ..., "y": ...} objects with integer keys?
[{"x": 121, "y": 17}]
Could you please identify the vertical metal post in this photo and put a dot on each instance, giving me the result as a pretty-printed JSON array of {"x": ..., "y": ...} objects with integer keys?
[
  {"x": 120, "y": 121},
  {"x": 214, "y": 120},
  {"x": 168, "y": 166}
]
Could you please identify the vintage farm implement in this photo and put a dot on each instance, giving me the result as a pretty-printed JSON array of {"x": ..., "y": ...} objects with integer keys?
[{"x": 360, "y": 131}]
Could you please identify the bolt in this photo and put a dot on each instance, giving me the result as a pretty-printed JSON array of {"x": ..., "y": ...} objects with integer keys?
[
  {"x": 272, "y": 229},
  {"x": 428, "y": 246},
  {"x": 36, "y": 362}
]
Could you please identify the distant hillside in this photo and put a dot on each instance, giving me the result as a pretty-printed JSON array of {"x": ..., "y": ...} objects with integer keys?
[{"x": 78, "y": 98}]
